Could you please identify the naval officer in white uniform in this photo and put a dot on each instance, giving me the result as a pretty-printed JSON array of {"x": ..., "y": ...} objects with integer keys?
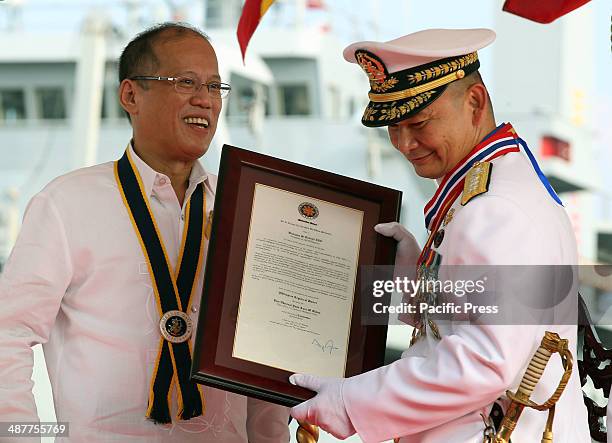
[{"x": 493, "y": 207}]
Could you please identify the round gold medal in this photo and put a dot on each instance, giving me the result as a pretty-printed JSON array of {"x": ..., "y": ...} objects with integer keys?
[{"x": 176, "y": 326}]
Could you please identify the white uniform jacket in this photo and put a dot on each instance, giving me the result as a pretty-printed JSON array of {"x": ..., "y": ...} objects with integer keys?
[
  {"x": 437, "y": 392},
  {"x": 77, "y": 282}
]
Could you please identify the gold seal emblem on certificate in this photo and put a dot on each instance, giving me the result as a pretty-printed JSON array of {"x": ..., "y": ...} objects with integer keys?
[
  {"x": 176, "y": 326},
  {"x": 308, "y": 210}
]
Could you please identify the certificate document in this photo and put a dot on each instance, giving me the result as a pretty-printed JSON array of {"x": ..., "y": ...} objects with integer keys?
[
  {"x": 298, "y": 284},
  {"x": 280, "y": 291}
]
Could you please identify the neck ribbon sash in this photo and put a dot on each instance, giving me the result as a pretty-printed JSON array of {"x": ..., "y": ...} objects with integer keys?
[{"x": 172, "y": 293}]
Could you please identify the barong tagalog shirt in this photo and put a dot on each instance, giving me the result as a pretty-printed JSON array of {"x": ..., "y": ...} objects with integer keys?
[{"x": 78, "y": 283}]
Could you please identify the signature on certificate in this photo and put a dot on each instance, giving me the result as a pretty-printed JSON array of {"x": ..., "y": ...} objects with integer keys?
[{"x": 327, "y": 347}]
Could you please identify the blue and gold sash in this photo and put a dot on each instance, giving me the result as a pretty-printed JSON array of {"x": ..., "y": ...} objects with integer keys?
[{"x": 172, "y": 292}]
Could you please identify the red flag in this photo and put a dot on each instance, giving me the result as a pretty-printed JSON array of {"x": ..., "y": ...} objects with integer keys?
[
  {"x": 542, "y": 11},
  {"x": 252, "y": 12},
  {"x": 315, "y": 4},
  {"x": 551, "y": 146}
]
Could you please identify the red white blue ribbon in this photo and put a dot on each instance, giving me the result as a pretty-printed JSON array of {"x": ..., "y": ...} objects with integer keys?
[{"x": 500, "y": 141}]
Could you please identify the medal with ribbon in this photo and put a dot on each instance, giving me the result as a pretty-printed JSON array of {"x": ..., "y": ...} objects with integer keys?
[{"x": 172, "y": 292}]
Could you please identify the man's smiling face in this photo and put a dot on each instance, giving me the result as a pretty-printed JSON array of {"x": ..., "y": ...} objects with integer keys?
[
  {"x": 437, "y": 138},
  {"x": 179, "y": 126}
]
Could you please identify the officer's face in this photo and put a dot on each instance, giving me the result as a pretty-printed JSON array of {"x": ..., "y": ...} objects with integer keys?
[
  {"x": 164, "y": 121},
  {"x": 438, "y": 137}
]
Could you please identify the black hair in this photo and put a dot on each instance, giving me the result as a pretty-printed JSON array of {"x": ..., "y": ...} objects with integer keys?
[{"x": 138, "y": 57}]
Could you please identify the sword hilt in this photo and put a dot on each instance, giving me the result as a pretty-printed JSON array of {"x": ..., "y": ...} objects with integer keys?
[
  {"x": 534, "y": 370},
  {"x": 551, "y": 344}
]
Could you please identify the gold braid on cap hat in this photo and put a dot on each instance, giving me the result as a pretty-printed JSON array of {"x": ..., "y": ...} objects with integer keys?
[
  {"x": 450, "y": 72},
  {"x": 413, "y": 92}
]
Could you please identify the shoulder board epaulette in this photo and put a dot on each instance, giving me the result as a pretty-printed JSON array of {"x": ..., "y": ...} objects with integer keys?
[{"x": 476, "y": 181}]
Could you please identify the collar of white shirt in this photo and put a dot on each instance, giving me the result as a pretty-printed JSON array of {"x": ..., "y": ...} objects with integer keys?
[{"x": 150, "y": 176}]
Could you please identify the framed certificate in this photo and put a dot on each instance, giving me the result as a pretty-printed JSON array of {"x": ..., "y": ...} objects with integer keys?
[{"x": 282, "y": 282}]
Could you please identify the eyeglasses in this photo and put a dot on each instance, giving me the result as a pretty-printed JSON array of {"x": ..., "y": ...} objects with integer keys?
[{"x": 191, "y": 85}]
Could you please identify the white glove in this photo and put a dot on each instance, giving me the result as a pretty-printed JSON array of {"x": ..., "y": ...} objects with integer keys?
[
  {"x": 326, "y": 409},
  {"x": 408, "y": 249},
  {"x": 406, "y": 256}
]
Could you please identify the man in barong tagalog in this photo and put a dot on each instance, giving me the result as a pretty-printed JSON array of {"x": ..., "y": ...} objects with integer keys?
[
  {"x": 107, "y": 270},
  {"x": 493, "y": 207}
]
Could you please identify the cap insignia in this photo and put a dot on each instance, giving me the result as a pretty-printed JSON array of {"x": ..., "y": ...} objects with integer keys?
[{"x": 376, "y": 71}]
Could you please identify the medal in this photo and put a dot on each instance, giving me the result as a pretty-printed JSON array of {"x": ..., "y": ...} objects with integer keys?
[
  {"x": 176, "y": 326},
  {"x": 438, "y": 238}
]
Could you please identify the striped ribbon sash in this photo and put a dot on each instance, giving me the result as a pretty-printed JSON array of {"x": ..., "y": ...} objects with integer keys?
[{"x": 501, "y": 141}]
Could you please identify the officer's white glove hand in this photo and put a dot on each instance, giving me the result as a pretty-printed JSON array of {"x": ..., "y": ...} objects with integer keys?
[
  {"x": 408, "y": 249},
  {"x": 406, "y": 256},
  {"x": 326, "y": 409}
]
